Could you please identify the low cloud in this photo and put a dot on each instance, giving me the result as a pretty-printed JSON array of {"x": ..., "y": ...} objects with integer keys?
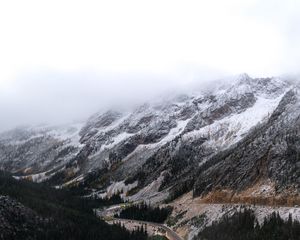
[
  {"x": 62, "y": 61},
  {"x": 56, "y": 98}
]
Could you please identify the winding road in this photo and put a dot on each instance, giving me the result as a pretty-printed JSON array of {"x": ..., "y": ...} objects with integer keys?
[{"x": 170, "y": 234}]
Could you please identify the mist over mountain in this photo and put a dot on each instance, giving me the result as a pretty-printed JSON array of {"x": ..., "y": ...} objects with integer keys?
[
  {"x": 232, "y": 141},
  {"x": 150, "y": 120},
  {"x": 58, "y": 98}
]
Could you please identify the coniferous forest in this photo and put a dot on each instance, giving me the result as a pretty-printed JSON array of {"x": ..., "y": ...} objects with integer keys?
[
  {"x": 61, "y": 214},
  {"x": 145, "y": 212},
  {"x": 243, "y": 225}
]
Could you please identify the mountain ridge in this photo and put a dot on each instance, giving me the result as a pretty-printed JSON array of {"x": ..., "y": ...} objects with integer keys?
[{"x": 163, "y": 145}]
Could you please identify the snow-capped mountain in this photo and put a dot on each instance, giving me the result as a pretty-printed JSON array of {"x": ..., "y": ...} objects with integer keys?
[
  {"x": 230, "y": 136},
  {"x": 42, "y": 150}
]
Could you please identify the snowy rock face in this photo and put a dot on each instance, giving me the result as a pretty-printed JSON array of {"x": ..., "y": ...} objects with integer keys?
[
  {"x": 269, "y": 151},
  {"x": 194, "y": 139},
  {"x": 33, "y": 150}
]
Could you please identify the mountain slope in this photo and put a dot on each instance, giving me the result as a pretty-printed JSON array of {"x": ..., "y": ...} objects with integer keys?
[
  {"x": 232, "y": 136},
  {"x": 267, "y": 157}
]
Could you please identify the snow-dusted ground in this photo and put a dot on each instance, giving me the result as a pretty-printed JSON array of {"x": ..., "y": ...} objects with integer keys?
[
  {"x": 39, "y": 177},
  {"x": 150, "y": 193},
  {"x": 175, "y": 131},
  {"x": 114, "y": 188},
  {"x": 113, "y": 142},
  {"x": 69, "y": 133},
  {"x": 192, "y": 208}
]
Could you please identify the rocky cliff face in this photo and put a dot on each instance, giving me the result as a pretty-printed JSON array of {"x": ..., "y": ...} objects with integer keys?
[
  {"x": 38, "y": 152},
  {"x": 231, "y": 136},
  {"x": 268, "y": 154}
]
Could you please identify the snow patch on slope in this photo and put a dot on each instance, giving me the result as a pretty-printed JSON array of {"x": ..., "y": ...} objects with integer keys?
[
  {"x": 174, "y": 132},
  {"x": 69, "y": 134},
  {"x": 231, "y": 129},
  {"x": 114, "y": 188},
  {"x": 116, "y": 140},
  {"x": 38, "y": 178},
  {"x": 151, "y": 193}
]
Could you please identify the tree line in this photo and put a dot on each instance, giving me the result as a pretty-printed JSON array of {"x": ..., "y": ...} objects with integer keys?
[
  {"x": 145, "y": 212},
  {"x": 64, "y": 216},
  {"x": 243, "y": 225}
]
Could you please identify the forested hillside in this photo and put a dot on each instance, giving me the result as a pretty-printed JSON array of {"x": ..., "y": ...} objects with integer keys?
[{"x": 58, "y": 214}]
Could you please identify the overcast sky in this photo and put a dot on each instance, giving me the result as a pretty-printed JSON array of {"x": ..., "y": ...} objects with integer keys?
[{"x": 61, "y": 60}]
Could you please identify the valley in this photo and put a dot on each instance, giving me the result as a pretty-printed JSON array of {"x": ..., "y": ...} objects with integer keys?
[{"x": 207, "y": 153}]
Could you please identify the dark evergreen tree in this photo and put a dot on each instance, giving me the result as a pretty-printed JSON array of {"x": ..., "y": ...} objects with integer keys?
[{"x": 146, "y": 213}]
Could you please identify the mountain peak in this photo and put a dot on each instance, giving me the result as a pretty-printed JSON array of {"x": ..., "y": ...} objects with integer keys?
[{"x": 243, "y": 78}]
